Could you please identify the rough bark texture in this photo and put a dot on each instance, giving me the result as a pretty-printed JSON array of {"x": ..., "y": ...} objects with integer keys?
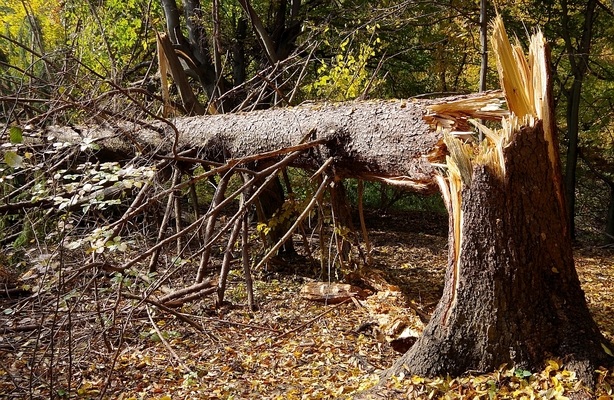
[
  {"x": 373, "y": 140},
  {"x": 609, "y": 227},
  {"x": 515, "y": 298},
  {"x": 384, "y": 138}
]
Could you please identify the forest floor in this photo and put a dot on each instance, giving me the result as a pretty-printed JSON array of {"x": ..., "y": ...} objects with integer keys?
[{"x": 289, "y": 349}]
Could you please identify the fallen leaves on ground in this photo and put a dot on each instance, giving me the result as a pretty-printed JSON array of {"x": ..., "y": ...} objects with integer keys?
[{"x": 111, "y": 347}]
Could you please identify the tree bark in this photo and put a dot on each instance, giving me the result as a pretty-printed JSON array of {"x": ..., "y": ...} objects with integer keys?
[
  {"x": 263, "y": 36},
  {"x": 609, "y": 224},
  {"x": 172, "y": 18},
  {"x": 483, "y": 44},
  {"x": 388, "y": 141},
  {"x": 578, "y": 59},
  {"x": 512, "y": 295}
]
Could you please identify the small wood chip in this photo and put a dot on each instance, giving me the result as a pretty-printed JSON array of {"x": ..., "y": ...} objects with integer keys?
[{"x": 332, "y": 293}]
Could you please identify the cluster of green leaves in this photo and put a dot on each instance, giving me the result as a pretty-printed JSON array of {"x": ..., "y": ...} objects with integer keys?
[
  {"x": 37, "y": 25},
  {"x": 84, "y": 183},
  {"x": 346, "y": 76},
  {"x": 12, "y": 159},
  {"x": 111, "y": 35},
  {"x": 286, "y": 214},
  {"x": 381, "y": 196},
  {"x": 48, "y": 49},
  {"x": 88, "y": 179}
]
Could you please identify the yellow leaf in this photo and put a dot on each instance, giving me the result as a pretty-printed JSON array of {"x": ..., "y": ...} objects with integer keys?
[
  {"x": 554, "y": 366},
  {"x": 13, "y": 159},
  {"x": 607, "y": 350}
]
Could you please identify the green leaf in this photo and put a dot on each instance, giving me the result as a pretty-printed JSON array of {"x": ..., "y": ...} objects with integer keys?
[
  {"x": 15, "y": 134},
  {"x": 521, "y": 373},
  {"x": 607, "y": 350},
  {"x": 13, "y": 159}
]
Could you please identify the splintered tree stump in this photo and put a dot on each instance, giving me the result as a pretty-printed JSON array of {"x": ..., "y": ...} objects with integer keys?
[
  {"x": 512, "y": 295},
  {"x": 514, "y": 298}
]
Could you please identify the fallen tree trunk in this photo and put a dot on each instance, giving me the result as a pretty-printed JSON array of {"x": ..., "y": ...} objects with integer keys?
[{"x": 393, "y": 141}]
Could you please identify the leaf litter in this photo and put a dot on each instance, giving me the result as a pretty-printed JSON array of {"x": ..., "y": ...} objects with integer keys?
[{"x": 96, "y": 343}]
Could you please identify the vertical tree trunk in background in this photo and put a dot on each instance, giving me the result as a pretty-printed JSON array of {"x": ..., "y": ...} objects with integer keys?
[
  {"x": 609, "y": 224},
  {"x": 512, "y": 295},
  {"x": 217, "y": 57},
  {"x": 483, "y": 44},
  {"x": 578, "y": 59},
  {"x": 342, "y": 221},
  {"x": 172, "y": 18},
  {"x": 484, "y": 50},
  {"x": 383, "y": 196},
  {"x": 238, "y": 52},
  {"x": 270, "y": 203},
  {"x": 263, "y": 36}
]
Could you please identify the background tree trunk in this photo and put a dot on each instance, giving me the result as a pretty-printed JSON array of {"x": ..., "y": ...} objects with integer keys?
[
  {"x": 270, "y": 202},
  {"x": 578, "y": 59},
  {"x": 609, "y": 226}
]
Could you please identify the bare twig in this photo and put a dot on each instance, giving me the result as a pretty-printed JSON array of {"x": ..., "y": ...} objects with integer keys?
[
  {"x": 177, "y": 210},
  {"x": 300, "y": 226},
  {"x": 194, "y": 296},
  {"x": 246, "y": 267},
  {"x": 213, "y": 213},
  {"x": 221, "y": 284},
  {"x": 322, "y": 168},
  {"x": 185, "y": 291},
  {"x": 226, "y": 322},
  {"x": 153, "y": 261},
  {"x": 362, "y": 222},
  {"x": 232, "y": 163},
  {"x": 166, "y": 344},
  {"x": 303, "y": 325},
  {"x": 179, "y": 315}
]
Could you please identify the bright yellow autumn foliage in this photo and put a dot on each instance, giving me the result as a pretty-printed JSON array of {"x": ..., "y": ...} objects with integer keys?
[{"x": 34, "y": 22}]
